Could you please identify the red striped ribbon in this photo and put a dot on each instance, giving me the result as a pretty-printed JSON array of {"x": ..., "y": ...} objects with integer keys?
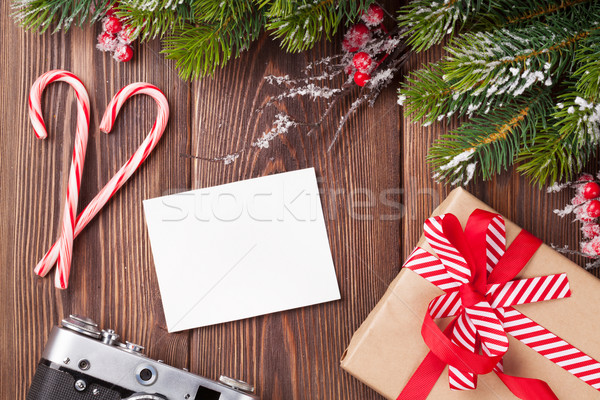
[{"x": 476, "y": 272}]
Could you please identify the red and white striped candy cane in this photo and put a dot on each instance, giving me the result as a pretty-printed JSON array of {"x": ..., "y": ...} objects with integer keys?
[
  {"x": 65, "y": 243},
  {"x": 119, "y": 179}
]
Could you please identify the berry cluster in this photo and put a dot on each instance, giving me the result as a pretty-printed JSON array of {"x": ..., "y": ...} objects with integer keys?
[
  {"x": 585, "y": 206},
  {"x": 115, "y": 37},
  {"x": 357, "y": 39}
]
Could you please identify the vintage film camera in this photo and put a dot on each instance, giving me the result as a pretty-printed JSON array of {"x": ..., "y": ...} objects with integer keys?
[{"x": 82, "y": 362}]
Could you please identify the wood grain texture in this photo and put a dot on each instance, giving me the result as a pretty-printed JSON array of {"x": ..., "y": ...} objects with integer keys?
[{"x": 376, "y": 192}]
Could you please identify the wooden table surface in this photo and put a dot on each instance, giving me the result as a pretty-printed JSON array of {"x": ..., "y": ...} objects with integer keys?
[{"x": 377, "y": 191}]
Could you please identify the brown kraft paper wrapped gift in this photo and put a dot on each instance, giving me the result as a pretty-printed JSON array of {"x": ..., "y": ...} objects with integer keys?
[{"x": 388, "y": 347}]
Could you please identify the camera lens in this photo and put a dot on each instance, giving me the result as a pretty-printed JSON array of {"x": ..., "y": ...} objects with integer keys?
[{"x": 145, "y": 374}]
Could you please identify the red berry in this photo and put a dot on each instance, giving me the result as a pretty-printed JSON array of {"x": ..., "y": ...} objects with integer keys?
[
  {"x": 585, "y": 177},
  {"x": 361, "y": 79},
  {"x": 111, "y": 25},
  {"x": 373, "y": 16},
  {"x": 578, "y": 199},
  {"x": 591, "y": 190},
  {"x": 349, "y": 47},
  {"x": 595, "y": 245},
  {"x": 593, "y": 209},
  {"x": 362, "y": 61},
  {"x": 590, "y": 230},
  {"x": 123, "y": 53},
  {"x": 106, "y": 42},
  {"x": 126, "y": 34},
  {"x": 356, "y": 37}
]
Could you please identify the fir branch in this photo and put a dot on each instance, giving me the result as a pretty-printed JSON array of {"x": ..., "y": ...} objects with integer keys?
[
  {"x": 149, "y": 20},
  {"x": 534, "y": 9},
  {"x": 504, "y": 13},
  {"x": 428, "y": 22},
  {"x": 301, "y": 24},
  {"x": 588, "y": 73},
  {"x": 39, "y": 15},
  {"x": 200, "y": 49},
  {"x": 561, "y": 152},
  {"x": 511, "y": 60},
  {"x": 490, "y": 142},
  {"x": 276, "y": 7},
  {"x": 426, "y": 95}
]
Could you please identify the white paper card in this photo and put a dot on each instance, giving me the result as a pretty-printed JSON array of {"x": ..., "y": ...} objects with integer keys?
[{"x": 240, "y": 250}]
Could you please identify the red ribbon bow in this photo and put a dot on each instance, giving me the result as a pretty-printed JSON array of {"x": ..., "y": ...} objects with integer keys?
[{"x": 476, "y": 272}]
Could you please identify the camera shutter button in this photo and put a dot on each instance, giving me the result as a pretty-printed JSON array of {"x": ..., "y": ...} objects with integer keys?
[
  {"x": 134, "y": 348},
  {"x": 236, "y": 384},
  {"x": 82, "y": 325},
  {"x": 109, "y": 336}
]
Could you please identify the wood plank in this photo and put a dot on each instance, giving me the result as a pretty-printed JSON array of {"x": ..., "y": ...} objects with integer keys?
[
  {"x": 374, "y": 183},
  {"x": 295, "y": 354},
  {"x": 112, "y": 279}
]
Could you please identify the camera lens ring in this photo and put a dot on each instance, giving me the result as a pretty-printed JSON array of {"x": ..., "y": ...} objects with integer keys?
[{"x": 146, "y": 374}]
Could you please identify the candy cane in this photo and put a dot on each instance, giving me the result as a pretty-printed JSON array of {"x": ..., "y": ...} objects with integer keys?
[
  {"x": 119, "y": 179},
  {"x": 81, "y": 136}
]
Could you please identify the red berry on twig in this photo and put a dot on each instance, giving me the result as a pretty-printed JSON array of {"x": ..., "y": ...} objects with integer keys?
[
  {"x": 107, "y": 42},
  {"x": 593, "y": 209},
  {"x": 373, "y": 16},
  {"x": 111, "y": 25},
  {"x": 361, "y": 79},
  {"x": 123, "y": 53},
  {"x": 590, "y": 230},
  {"x": 362, "y": 61},
  {"x": 585, "y": 177},
  {"x": 126, "y": 34},
  {"x": 356, "y": 37},
  {"x": 591, "y": 190}
]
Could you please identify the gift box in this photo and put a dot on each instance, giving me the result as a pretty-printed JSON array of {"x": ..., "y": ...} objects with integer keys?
[{"x": 389, "y": 349}]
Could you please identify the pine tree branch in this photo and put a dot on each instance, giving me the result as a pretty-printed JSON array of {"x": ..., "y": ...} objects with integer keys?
[
  {"x": 511, "y": 61},
  {"x": 200, "y": 49},
  {"x": 39, "y": 15},
  {"x": 541, "y": 11},
  {"x": 426, "y": 95},
  {"x": 148, "y": 21},
  {"x": 562, "y": 151},
  {"x": 490, "y": 142},
  {"x": 301, "y": 24},
  {"x": 428, "y": 22},
  {"x": 507, "y": 13},
  {"x": 588, "y": 72}
]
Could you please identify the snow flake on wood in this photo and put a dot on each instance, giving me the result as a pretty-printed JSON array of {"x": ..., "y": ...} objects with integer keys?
[{"x": 282, "y": 125}]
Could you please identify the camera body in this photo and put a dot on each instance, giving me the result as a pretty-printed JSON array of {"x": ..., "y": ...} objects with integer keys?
[{"x": 82, "y": 362}]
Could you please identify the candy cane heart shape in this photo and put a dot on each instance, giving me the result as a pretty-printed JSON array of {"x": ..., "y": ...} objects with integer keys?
[
  {"x": 119, "y": 179},
  {"x": 64, "y": 245}
]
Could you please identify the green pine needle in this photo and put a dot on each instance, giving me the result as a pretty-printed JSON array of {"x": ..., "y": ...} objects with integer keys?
[
  {"x": 39, "y": 15},
  {"x": 156, "y": 21},
  {"x": 200, "y": 49},
  {"x": 490, "y": 143},
  {"x": 428, "y": 22},
  {"x": 301, "y": 24},
  {"x": 427, "y": 96}
]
